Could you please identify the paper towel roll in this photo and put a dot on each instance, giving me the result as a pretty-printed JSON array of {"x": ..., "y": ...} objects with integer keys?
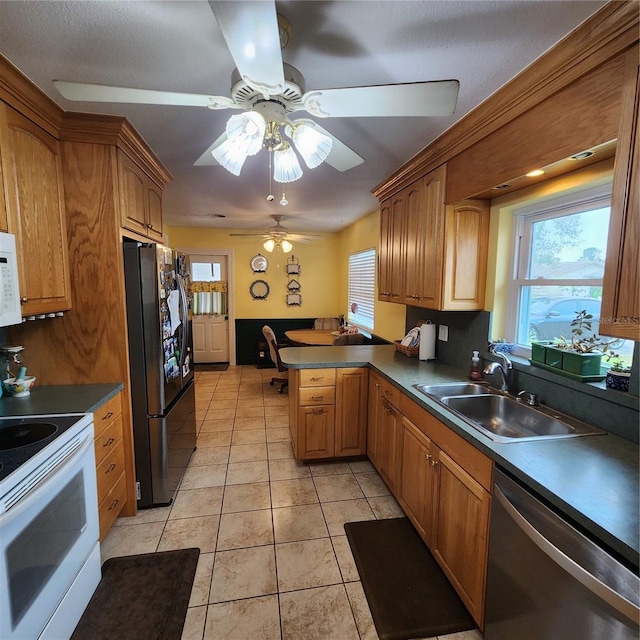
[{"x": 427, "y": 341}]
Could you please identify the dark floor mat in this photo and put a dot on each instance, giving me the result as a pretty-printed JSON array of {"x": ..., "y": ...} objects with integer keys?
[
  {"x": 211, "y": 367},
  {"x": 142, "y": 597},
  {"x": 408, "y": 594}
]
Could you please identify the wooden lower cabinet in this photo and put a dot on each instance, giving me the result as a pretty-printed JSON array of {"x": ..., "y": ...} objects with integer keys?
[
  {"x": 110, "y": 462},
  {"x": 328, "y": 412},
  {"x": 460, "y": 532}
]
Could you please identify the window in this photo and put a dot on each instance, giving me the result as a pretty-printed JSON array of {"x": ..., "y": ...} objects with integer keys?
[
  {"x": 361, "y": 293},
  {"x": 205, "y": 271},
  {"x": 560, "y": 251}
]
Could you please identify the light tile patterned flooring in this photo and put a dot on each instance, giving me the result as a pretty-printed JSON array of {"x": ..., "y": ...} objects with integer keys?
[{"x": 275, "y": 563}]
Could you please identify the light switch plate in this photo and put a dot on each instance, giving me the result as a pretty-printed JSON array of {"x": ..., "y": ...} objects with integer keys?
[{"x": 443, "y": 332}]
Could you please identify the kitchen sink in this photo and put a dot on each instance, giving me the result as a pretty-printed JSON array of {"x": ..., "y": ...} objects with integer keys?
[
  {"x": 503, "y": 418},
  {"x": 453, "y": 389}
]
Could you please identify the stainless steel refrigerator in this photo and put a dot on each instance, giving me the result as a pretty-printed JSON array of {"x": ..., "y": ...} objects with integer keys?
[{"x": 161, "y": 361}]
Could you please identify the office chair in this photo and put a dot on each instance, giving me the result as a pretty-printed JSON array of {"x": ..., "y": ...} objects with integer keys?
[
  {"x": 329, "y": 324},
  {"x": 270, "y": 337}
]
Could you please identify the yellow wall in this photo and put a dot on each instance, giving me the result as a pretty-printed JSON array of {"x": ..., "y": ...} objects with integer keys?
[
  {"x": 364, "y": 234},
  {"x": 324, "y": 266},
  {"x": 319, "y": 272}
]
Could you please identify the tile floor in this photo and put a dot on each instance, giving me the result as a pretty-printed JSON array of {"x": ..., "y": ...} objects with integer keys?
[{"x": 275, "y": 563}]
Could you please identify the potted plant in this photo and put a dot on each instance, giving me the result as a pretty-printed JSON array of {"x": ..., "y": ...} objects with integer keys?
[
  {"x": 579, "y": 356},
  {"x": 618, "y": 375}
]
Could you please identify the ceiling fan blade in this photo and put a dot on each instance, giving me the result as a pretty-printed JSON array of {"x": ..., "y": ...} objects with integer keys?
[
  {"x": 436, "y": 98},
  {"x": 84, "y": 92},
  {"x": 250, "y": 235},
  {"x": 251, "y": 32},
  {"x": 341, "y": 157}
]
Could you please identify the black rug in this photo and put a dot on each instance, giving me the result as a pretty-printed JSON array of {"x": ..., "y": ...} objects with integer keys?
[
  {"x": 408, "y": 594},
  {"x": 211, "y": 367},
  {"x": 143, "y": 597}
]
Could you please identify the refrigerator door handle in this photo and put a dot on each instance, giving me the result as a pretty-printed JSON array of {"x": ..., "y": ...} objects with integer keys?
[{"x": 185, "y": 319}]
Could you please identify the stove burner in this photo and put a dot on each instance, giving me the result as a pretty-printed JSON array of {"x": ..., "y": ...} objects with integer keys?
[{"x": 21, "y": 435}]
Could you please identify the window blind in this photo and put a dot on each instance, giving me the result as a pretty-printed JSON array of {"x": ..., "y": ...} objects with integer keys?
[{"x": 361, "y": 290}]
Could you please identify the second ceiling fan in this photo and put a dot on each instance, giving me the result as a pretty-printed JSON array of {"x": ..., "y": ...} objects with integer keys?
[{"x": 267, "y": 91}]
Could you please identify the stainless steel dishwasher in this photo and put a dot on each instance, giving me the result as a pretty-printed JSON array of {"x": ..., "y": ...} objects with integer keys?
[{"x": 547, "y": 581}]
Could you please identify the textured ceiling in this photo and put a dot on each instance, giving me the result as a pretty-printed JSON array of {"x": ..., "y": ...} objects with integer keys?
[{"x": 177, "y": 46}]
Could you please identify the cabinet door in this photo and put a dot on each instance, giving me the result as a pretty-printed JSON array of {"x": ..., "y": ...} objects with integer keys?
[
  {"x": 32, "y": 174},
  {"x": 154, "y": 211},
  {"x": 373, "y": 419},
  {"x": 460, "y": 532},
  {"x": 620, "y": 310},
  {"x": 413, "y": 242},
  {"x": 390, "y": 285},
  {"x": 133, "y": 194},
  {"x": 430, "y": 247},
  {"x": 466, "y": 246},
  {"x": 390, "y": 446},
  {"x": 416, "y": 493},
  {"x": 316, "y": 426},
  {"x": 351, "y": 411}
]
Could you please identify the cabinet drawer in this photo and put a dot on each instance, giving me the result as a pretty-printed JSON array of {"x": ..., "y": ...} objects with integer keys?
[
  {"x": 389, "y": 392},
  {"x": 316, "y": 395},
  {"x": 109, "y": 469},
  {"x": 107, "y": 439},
  {"x": 317, "y": 377},
  {"x": 111, "y": 506},
  {"x": 106, "y": 413}
]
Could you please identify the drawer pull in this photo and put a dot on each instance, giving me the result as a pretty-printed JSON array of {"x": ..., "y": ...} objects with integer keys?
[
  {"x": 113, "y": 505},
  {"x": 317, "y": 412},
  {"x": 109, "y": 442},
  {"x": 111, "y": 467},
  {"x": 317, "y": 379},
  {"x": 107, "y": 416},
  {"x": 317, "y": 398}
]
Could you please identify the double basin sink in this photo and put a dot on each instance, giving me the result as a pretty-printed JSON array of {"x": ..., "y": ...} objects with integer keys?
[{"x": 503, "y": 418}]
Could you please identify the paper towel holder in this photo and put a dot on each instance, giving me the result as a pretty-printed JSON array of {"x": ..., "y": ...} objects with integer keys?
[{"x": 427, "y": 347}]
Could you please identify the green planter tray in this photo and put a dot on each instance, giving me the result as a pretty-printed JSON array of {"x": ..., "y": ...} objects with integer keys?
[{"x": 567, "y": 374}]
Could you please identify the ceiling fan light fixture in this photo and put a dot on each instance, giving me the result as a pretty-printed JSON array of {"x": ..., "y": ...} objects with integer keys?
[
  {"x": 247, "y": 130},
  {"x": 312, "y": 145},
  {"x": 286, "y": 246},
  {"x": 270, "y": 245},
  {"x": 286, "y": 167},
  {"x": 230, "y": 155}
]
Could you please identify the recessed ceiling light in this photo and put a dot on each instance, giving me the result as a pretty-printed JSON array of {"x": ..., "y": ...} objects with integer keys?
[
  {"x": 535, "y": 173},
  {"x": 582, "y": 155},
  {"x": 505, "y": 185}
]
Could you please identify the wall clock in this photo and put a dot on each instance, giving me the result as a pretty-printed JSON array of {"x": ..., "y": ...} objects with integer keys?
[{"x": 259, "y": 263}]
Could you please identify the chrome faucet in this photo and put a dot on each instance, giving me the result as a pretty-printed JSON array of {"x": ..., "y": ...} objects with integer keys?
[{"x": 503, "y": 367}]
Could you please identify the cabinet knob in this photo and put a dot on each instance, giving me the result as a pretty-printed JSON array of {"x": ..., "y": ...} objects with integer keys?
[
  {"x": 428, "y": 456},
  {"x": 433, "y": 463},
  {"x": 24, "y": 300},
  {"x": 377, "y": 385}
]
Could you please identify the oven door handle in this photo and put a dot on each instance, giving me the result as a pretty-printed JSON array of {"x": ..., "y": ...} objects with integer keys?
[
  {"x": 48, "y": 483},
  {"x": 576, "y": 571}
]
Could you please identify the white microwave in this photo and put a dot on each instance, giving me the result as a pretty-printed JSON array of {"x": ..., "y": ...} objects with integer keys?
[{"x": 10, "y": 312}]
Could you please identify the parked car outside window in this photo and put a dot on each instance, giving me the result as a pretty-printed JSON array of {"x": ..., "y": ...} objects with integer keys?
[{"x": 552, "y": 318}]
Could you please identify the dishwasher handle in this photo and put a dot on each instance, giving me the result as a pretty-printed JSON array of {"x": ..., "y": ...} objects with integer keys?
[{"x": 576, "y": 571}]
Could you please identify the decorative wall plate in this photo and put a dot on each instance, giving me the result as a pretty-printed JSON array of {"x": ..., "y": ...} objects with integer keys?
[
  {"x": 294, "y": 285},
  {"x": 259, "y": 290},
  {"x": 294, "y": 300},
  {"x": 293, "y": 269},
  {"x": 259, "y": 263}
]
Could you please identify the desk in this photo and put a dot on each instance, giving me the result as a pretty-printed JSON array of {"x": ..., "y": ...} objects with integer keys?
[{"x": 310, "y": 337}]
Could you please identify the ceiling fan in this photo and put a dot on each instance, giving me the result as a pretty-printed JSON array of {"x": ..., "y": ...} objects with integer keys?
[
  {"x": 278, "y": 237},
  {"x": 268, "y": 91}
]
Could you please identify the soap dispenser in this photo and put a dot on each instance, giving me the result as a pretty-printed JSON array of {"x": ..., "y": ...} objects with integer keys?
[{"x": 475, "y": 373}]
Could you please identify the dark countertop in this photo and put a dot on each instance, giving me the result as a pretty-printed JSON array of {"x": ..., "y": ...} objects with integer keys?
[
  {"x": 592, "y": 479},
  {"x": 57, "y": 399}
]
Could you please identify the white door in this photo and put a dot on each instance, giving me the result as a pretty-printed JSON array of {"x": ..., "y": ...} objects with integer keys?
[{"x": 210, "y": 331}]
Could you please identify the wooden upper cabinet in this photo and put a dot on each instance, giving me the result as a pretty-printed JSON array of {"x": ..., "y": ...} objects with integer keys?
[
  {"x": 390, "y": 285},
  {"x": 140, "y": 199},
  {"x": 440, "y": 250},
  {"x": 34, "y": 204},
  {"x": 620, "y": 310}
]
